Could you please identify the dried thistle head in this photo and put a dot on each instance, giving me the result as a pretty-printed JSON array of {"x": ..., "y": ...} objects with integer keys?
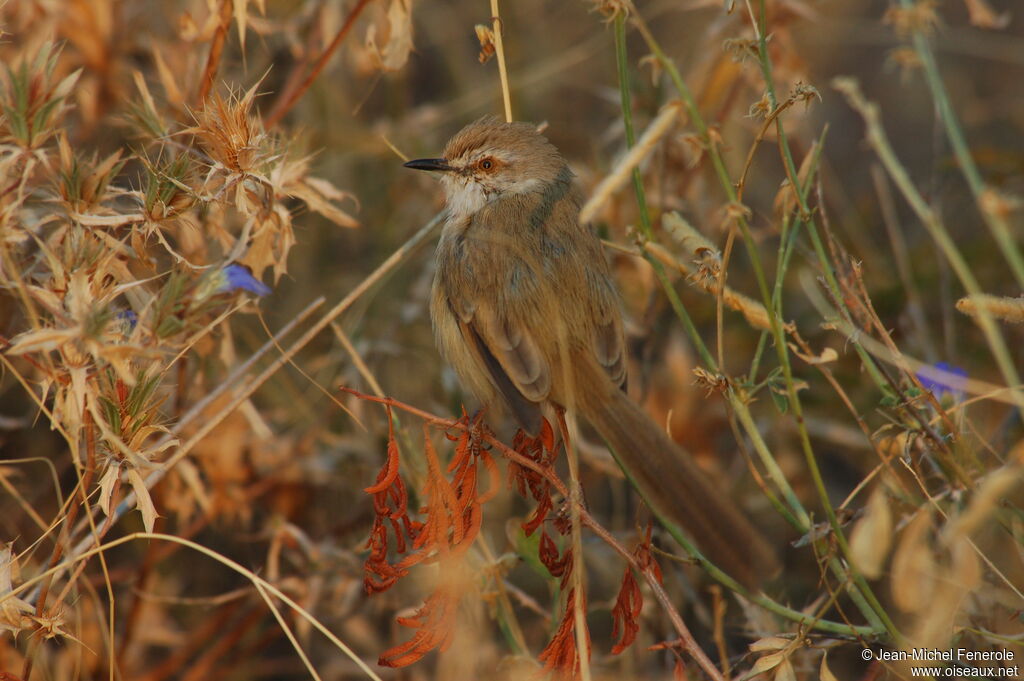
[
  {"x": 31, "y": 98},
  {"x": 83, "y": 184},
  {"x": 167, "y": 190},
  {"x": 230, "y": 135}
]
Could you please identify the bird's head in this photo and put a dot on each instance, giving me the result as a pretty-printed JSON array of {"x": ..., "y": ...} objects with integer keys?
[{"x": 490, "y": 159}]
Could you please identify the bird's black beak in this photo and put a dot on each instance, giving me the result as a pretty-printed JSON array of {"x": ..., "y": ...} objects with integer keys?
[{"x": 428, "y": 164}]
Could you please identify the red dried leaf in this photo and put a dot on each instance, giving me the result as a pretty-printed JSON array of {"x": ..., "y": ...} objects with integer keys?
[
  {"x": 630, "y": 601},
  {"x": 645, "y": 557},
  {"x": 528, "y": 482},
  {"x": 544, "y": 506},
  {"x": 434, "y": 623},
  {"x": 390, "y": 508},
  {"x": 626, "y": 612},
  {"x": 453, "y": 517},
  {"x": 557, "y": 566},
  {"x": 561, "y": 656},
  {"x": 389, "y": 472}
]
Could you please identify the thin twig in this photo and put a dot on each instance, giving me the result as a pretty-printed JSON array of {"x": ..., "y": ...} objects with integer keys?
[
  {"x": 289, "y": 98},
  {"x": 499, "y": 49},
  {"x": 216, "y": 49}
]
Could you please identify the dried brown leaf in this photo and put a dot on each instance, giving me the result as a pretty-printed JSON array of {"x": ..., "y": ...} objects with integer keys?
[
  {"x": 395, "y": 33},
  {"x": 914, "y": 566}
]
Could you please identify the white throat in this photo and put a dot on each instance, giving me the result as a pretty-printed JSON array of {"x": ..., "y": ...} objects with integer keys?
[{"x": 464, "y": 198}]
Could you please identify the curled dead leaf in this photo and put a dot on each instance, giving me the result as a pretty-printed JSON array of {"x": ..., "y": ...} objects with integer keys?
[
  {"x": 872, "y": 536},
  {"x": 913, "y": 566},
  {"x": 143, "y": 501},
  {"x": 395, "y": 33},
  {"x": 986, "y": 499},
  {"x": 827, "y": 355}
]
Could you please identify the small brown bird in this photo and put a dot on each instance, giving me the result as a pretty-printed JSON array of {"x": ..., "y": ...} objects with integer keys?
[{"x": 525, "y": 310}]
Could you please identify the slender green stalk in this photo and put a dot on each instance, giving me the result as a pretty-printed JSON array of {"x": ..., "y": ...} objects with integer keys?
[
  {"x": 865, "y": 605},
  {"x": 812, "y": 462},
  {"x": 760, "y": 599},
  {"x": 641, "y": 198},
  {"x": 865, "y": 599},
  {"x": 994, "y": 219},
  {"x": 645, "y": 223},
  {"x": 774, "y": 472},
  {"x": 879, "y": 141}
]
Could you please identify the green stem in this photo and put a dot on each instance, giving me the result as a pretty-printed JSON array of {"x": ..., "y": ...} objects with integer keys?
[
  {"x": 805, "y": 442},
  {"x": 774, "y": 471},
  {"x": 879, "y": 141},
  {"x": 994, "y": 219},
  {"x": 865, "y": 599},
  {"x": 767, "y": 603}
]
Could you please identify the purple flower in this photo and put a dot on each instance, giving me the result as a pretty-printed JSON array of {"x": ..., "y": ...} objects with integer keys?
[
  {"x": 236, "y": 277},
  {"x": 952, "y": 381},
  {"x": 128, "y": 319}
]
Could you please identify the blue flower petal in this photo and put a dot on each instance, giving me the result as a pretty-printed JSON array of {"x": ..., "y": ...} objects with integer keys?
[
  {"x": 953, "y": 383},
  {"x": 239, "y": 277}
]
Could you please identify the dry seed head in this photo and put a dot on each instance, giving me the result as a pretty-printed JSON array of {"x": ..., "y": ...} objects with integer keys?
[
  {"x": 761, "y": 108},
  {"x": 803, "y": 92},
  {"x": 734, "y": 211},
  {"x": 906, "y": 59},
  {"x": 695, "y": 146},
  {"x": 395, "y": 32},
  {"x": 741, "y": 49},
  {"x": 1004, "y": 308},
  {"x": 997, "y": 204},
  {"x": 611, "y": 9},
  {"x": 230, "y": 135},
  {"x": 712, "y": 383},
  {"x": 485, "y": 36},
  {"x": 651, "y": 61},
  {"x": 919, "y": 18},
  {"x": 983, "y": 16}
]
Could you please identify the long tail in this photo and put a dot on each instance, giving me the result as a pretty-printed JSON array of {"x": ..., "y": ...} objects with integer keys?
[{"x": 676, "y": 487}]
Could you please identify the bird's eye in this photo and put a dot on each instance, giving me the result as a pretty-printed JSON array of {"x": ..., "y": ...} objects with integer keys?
[{"x": 486, "y": 164}]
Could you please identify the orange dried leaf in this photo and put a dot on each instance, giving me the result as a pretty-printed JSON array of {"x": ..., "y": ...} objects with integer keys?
[
  {"x": 434, "y": 623},
  {"x": 389, "y": 472}
]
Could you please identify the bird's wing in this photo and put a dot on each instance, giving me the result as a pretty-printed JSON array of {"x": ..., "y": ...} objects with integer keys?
[
  {"x": 511, "y": 357},
  {"x": 516, "y": 350},
  {"x": 608, "y": 340}
]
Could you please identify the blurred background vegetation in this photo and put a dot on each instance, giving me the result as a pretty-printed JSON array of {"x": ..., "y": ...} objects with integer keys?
[{"x": 150, "y": 148}]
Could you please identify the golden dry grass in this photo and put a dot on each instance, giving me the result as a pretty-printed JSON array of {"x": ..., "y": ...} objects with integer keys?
[{"x": 206, "y": 232}]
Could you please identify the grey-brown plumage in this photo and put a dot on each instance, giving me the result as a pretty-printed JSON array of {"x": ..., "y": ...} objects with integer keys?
[{"x": 525, "y": 310}]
